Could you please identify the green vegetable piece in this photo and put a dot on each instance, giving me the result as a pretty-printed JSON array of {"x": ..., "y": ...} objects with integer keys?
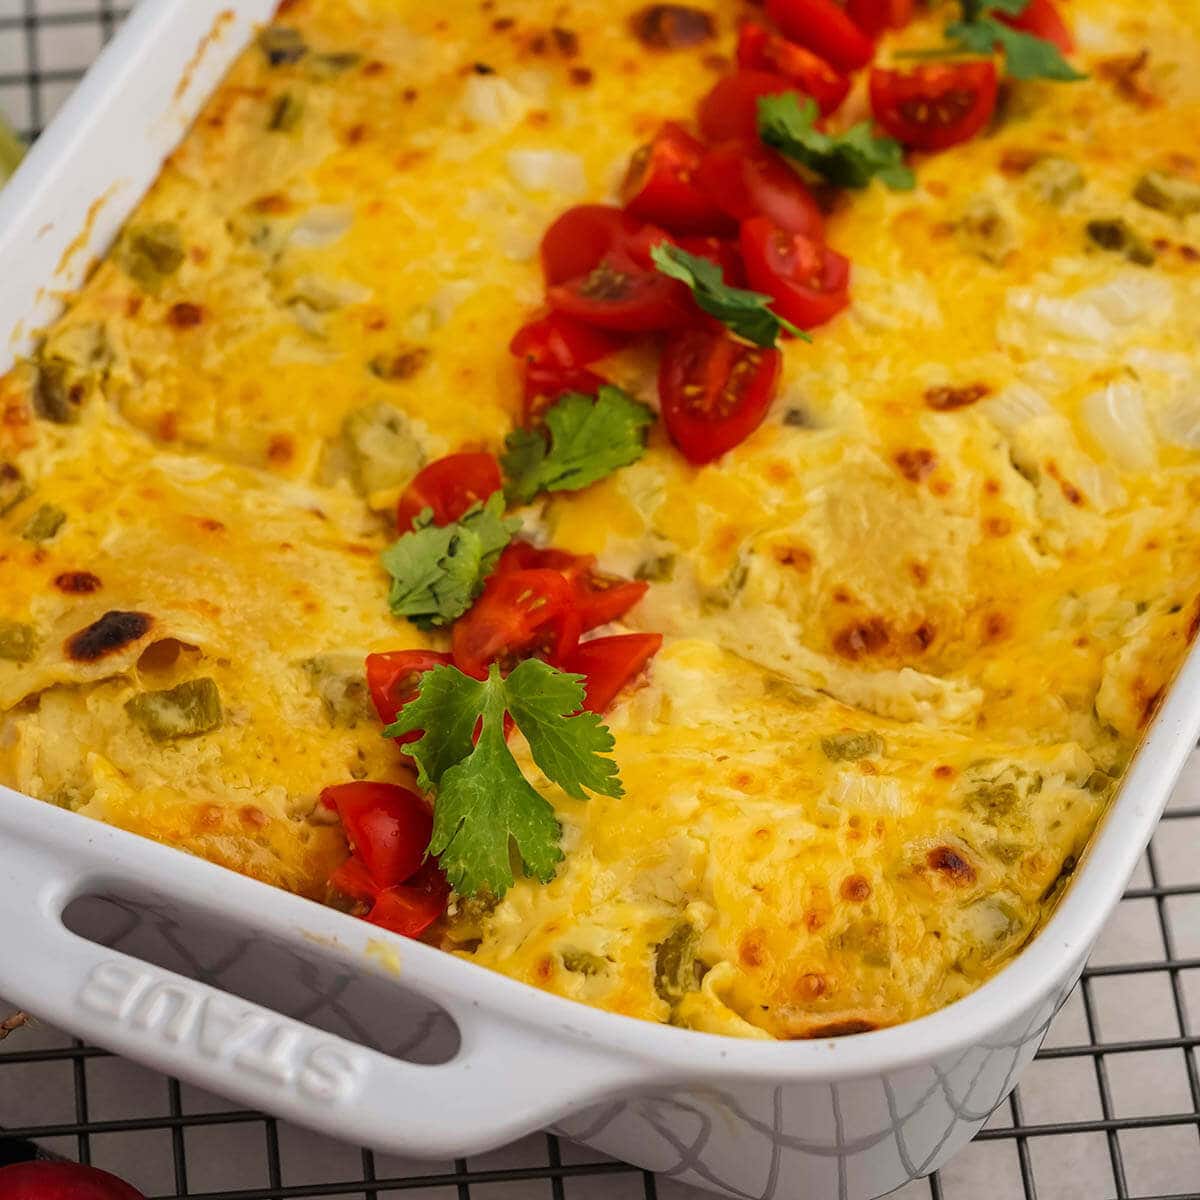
[
  {"x": 191, "y": 709},
  {"x": 44, "y": 523},
  {"x": 746, "y": 314},
  {"x": 285, "y": 113},
  {"x": 13, "y": 488},
  {"x": 12, "y": 150},
  {"x": 56, "y": 397},
  {"x": 1055, "y": 178},
  {"x": 660, "y": 569},
  {"x": 339, "y": 683},
  {"x": 282, "y": 44},
  {"x": 483, "y": 804},
  {"x": 850, "y": 747},
  {"x": 382, "y": 448},
  {"x": 438, "y": 570},
  {"x": 328, "y": 66},
  {"x": 18, "y": 641},
  {"x": 150, "y": 254},
  {"x": 1119, "y": 237},
  {"x": 676, "y": 971},
  {"x": 851, "y": 159},
  {"x": 869, "y": 940},
  {"x": 584, "y": 963},
  {"x": 589, "y": 439},
  {"x": 1168, "y": 193},
  {"x": 984, "y": 230},
  {"x": 1025, "y": 56}
]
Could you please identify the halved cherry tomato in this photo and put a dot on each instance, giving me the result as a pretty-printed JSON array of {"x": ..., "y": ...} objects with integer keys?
[
  {"x": 730, "y": 110},
  {"x": 609, "y": 663},
  {"x": 353, "y": 879},
  {"x": 660, "y": 185},
  {"x": 521, "y": 614},
  {"x": 759, "y": 49},
  {"x": 808, "y": 282},
  {"x": 449, "y": 486},
  {"x": 934, "y": 105},
  {"x": 623, "y": 295},
  {"x": 1043, "y": 20},
  {"x": 62, "y": 1181},
  {"x": 584, "y": 236},
  {"x": 825, "y": 29},
  {"x": 599, "y": 598},
  {"x": 724, "y": 252},
  {"x": 556, "y": 340},
  {"x": 714, "y": 391},
  {"x": 388, "y": 827},
  {"x": 409, "y": 909},
  {"x": 749, "y": 181},
  {"x": 393, "y": 679},
  {"x": 873, "y": 17},
  {"x": 544, "y": 386}
]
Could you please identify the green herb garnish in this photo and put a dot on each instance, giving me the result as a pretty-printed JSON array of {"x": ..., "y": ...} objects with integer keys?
[
  {"x": 438, "y": 570},
  {"x": 851, "y": 159},
  {"x": 588, "y": 439},
  {"x": 483, "y": 803},
  {"x": 745, "y": 313},
  {"x": 1025, "y": 55}
]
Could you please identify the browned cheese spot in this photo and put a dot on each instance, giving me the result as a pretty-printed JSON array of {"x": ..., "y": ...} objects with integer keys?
[
  {"x": 946, "y": 399},
  {"x": 111, "y": 633},
  {"x": 672, "y": 26},
  {"x": 915, "y": 465},
  {"x": 951, "y": 865},
  {"x": 856, "y": 889},
  {"x": 77, "y": 583}
]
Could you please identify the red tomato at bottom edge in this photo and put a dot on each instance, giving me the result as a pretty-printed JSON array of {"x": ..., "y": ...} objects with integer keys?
[
  {"x": 412, "y": 907},
  {"x": 388, "y": 826},
  {"x": 714, "y": 391},
  {"x": 62, "y": 1181}
]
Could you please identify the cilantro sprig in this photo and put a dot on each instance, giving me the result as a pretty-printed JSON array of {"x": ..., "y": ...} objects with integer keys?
[
  {"x": 746, "y": 313},
  {"x": 438, "y": 570},
  {"x": 483, "y": 803},
  {"x": 851, "y": 159},
  {"x": 588, "y": 439}
]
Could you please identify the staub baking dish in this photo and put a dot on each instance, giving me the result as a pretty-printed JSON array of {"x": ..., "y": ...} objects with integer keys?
[{"x": 349, "y": 1028}]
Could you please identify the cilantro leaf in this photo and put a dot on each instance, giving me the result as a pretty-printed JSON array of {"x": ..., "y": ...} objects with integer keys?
[
  {"x": 972, "y": 10},
  {"x": 483, "y": 802},
  {"x": 746, "y": 313},
  {"x": 438, "y": 570},
  {"x": 1025, "y": 56},
  {"x": 589, "y": 439},
  {"x": 850, "y": 159}
]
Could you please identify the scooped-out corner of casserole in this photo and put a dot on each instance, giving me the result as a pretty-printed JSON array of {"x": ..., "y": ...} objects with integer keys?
[{"x": 691, "y": 506}]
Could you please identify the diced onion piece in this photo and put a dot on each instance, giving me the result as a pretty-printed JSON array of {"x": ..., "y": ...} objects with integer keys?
[
  {"x": 1116, "y": 418},
  {"x": 548, "y": 171},
  {"x": 492, "y": 101},
  {"x": 321, "y": 226},
  {"x": 1013, "y": 407},
  {"x": 1179, "y": 419},
  {"x": 1132, "y": 296}
]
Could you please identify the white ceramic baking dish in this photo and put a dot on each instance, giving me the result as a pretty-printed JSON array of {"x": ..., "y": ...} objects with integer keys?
[{"x": 851, "y": 1118}]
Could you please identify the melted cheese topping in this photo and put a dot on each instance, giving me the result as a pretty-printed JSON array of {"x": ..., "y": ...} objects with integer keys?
[{"x": 916, "y": 622}]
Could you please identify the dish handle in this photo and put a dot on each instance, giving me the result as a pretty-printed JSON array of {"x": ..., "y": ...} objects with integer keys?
[{"x": 506, "y": 1080}]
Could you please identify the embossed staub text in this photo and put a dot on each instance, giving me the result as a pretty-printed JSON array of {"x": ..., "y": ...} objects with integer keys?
[{"x": 221, "y": 1029}]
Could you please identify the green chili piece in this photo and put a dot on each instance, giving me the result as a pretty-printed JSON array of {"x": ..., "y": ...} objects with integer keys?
[
  {"x": 188, "y": 710},
  {"x": 18, "y": 641},
  {"x": 44, "y": 523}
]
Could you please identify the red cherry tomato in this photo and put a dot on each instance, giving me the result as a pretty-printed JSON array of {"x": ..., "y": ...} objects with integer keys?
[
  {"x": 409, "y": 909},
  {"x": 62, "y": 1181},
  {"x": 449, "y": 486},
  {"x": 353, "y": 879},
  {"x": 749, "y": 181},
  {"x": 730, "y": 110},
  {"x": 1043, "y": 20},
  {"x": 585, "y": 235},
  {"x": 393, "y": 679},
  {"x": 388, "y": 827},
  {"x": 620, "y": 294},
  {"x": 714, "y": 391},
  {"x": 609, "y": 663},
  {"x": 808, "y": 282},
  {"x": 558, "y": 341},
  {"x": 761, "y": 50},
  {"x": 521, "y": 614},
  {"x": 825, "y": 29},
  {"x": 599, "y": 598},
  {"x": 874, "y": 17},
  {"x": 934, "y": 105},
  {"x": 724, "y": 252},
  {"x": 545, "y": 386},
  {"x": 661, "y": 185}
]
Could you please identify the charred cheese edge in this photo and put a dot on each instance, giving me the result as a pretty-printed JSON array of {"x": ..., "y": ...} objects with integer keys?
[{"x": 916, "y": 623}]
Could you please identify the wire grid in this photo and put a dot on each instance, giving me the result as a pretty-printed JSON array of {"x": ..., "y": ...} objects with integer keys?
[{"x": 1110, "y": 1108}]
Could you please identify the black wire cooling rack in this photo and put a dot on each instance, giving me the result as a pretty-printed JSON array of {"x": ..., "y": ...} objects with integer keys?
[{"x": 1110, "y": 1108}]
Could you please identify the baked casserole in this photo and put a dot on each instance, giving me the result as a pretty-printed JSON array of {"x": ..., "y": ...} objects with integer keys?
[{"x": 453, "y": 380}]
